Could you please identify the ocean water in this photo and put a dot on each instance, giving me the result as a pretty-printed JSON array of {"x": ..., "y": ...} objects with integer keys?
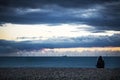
[{"x": 67, "y": 62}]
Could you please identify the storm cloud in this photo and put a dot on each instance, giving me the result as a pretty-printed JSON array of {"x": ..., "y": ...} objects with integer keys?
[
  {"x": 102, "y": 14},
  {"x": 89, "y": 41},
  {"x": 34, "y": 25}
]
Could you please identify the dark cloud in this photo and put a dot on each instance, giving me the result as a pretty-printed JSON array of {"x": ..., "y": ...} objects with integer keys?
[
  {"x": 89, "y": 41},
  {"x": 62, "y": 11},
  {"x": 109, "y": 17},
  {"x": 39, "y": 3}
]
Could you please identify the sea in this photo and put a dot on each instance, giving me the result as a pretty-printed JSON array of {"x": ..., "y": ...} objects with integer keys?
[{"x": 58, "y": 62}]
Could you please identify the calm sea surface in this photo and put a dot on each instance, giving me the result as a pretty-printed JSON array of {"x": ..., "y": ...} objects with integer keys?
[{"x": 68, "y": 62}]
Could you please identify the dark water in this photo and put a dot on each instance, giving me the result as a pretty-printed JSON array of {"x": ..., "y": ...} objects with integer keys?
[{"x": 73, "y": 62}]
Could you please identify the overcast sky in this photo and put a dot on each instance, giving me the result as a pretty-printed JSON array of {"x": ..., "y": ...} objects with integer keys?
[{"x": 59, "y": 27}]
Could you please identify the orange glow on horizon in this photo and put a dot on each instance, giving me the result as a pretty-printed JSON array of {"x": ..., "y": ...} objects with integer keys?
[{"x": 81, "y": 49}]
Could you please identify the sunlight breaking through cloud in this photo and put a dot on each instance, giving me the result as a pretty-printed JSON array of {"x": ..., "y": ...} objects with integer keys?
[
  {"x": 80, "y": 51},
  {"x": 44, "y": 32}
]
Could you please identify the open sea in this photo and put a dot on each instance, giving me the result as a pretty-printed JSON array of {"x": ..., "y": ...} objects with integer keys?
[{"x": 58, "y": 62}]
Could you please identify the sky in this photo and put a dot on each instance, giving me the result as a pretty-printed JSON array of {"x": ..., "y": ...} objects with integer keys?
[{"x": 59, "y": 27}]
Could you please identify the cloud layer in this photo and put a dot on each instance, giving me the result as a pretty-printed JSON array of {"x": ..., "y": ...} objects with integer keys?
[
  {"x": 55, "y": 24},
  {"x": 89, "y": 41},
  {"x": 102, "y": 14}
]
